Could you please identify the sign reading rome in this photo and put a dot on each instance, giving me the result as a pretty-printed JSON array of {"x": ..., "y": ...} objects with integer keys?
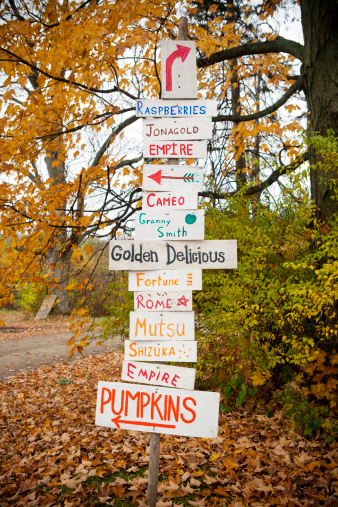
[
  {"x": 155, "y": 301},
  {"x": 150, "y": 255}
]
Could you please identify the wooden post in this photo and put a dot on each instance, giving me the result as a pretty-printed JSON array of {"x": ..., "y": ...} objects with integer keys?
[{"x": 155, "y": 438}]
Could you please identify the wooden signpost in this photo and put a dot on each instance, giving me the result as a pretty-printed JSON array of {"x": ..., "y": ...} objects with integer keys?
[{"x": 165, "y": 262}]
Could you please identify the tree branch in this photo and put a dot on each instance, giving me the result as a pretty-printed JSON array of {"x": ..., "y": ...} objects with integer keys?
[
  {"x": 278, "y": 45},
  {"x": 116, "y": 131},
  {"x": 65, "y": 80},
  {"x": 261, "y": 186},
  {"x": 268, "y": 110}
]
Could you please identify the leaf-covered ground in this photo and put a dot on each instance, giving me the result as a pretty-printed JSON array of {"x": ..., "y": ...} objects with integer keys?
[
  {"x": 20, "y": 325},
  {"x": 52, "y": 454}
]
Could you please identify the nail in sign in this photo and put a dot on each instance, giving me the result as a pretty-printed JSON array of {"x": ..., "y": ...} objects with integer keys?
[
  {"x": 157, "y": 409},
  {"x": 178, "y": 71}
]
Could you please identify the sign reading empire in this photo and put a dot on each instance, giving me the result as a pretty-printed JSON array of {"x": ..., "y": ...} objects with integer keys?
[{"x": 149, "y": 255}]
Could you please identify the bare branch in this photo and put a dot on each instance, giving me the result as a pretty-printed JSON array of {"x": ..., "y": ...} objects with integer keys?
[
  {"x": 268, "y": 110},
  {"x": 278, "y": 45},
  {"x": 261, "y": 186}
]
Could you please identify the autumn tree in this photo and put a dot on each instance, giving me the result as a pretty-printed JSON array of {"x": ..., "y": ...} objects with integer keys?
[{"x": 71, "y": 72}]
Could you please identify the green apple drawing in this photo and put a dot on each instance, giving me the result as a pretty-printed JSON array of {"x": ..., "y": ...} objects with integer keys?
[{"x": 190, "y": 218}]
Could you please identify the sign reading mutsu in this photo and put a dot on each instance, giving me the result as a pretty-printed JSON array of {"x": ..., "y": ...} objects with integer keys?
[
  {"x": 149, "y": 255},
  {"x": 157, "y": 409},
  {"x": 162, "y": 326}
]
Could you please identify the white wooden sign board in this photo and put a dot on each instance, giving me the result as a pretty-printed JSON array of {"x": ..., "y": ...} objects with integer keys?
[
  {"x": 158, "y": 374},
  {"x": 178, "y": 69},
  {"x": 172, "y": 178},
  {"x": 174, "y": 129},
  {"x": 172, "y": 224},
  {"x": 169, "y": 200},
  {"x": 157, "y": 409},
  {"x": 175, "y": 108},
  {"x": 176, "y": 351},
  {"x": 174, "y": 149},
  {"x": 168, "y": 280},
  {"x": 171, "y": 301},
  {"x": 152, "y": 255},
  {"x": 162, "y": 326}
]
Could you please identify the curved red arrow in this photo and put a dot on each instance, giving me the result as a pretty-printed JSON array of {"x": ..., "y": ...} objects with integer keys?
[
  {"x": 181, "y": 52},
  {"x": 117, "y": 420}
]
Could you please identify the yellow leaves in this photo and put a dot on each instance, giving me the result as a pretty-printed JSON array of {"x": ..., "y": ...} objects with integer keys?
[
  {"x": 258, "y": 379},
  {"x": 89, "y": 249},
  {"x": 214, "y": 457}
]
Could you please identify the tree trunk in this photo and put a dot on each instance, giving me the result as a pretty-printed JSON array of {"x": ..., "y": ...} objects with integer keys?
[
  {"x": 58, "y": 268},
  {"x": 58, "y": 257},
  {"x": 320, "y": 21}
]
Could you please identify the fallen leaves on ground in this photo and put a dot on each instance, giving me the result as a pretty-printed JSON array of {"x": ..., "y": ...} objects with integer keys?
[
  {"x": 18, "y": 325},
  {"x": 52, "y": 453}
]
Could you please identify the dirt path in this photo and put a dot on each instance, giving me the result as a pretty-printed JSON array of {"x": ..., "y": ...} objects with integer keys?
[{"x": 30, "y": 352}]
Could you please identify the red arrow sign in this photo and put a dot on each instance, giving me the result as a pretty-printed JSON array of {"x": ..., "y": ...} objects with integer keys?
[
  {"x": 157, "y": 177},
  {"x": 181, "y": 52},
  {"x": 117, "y": 420}
]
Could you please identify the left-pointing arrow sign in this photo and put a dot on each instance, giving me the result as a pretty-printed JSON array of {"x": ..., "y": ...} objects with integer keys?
[{"x": 117, "y": 420}]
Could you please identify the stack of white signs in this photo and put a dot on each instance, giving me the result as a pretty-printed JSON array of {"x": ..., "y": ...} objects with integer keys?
[{"x": 165, "y": 262}]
